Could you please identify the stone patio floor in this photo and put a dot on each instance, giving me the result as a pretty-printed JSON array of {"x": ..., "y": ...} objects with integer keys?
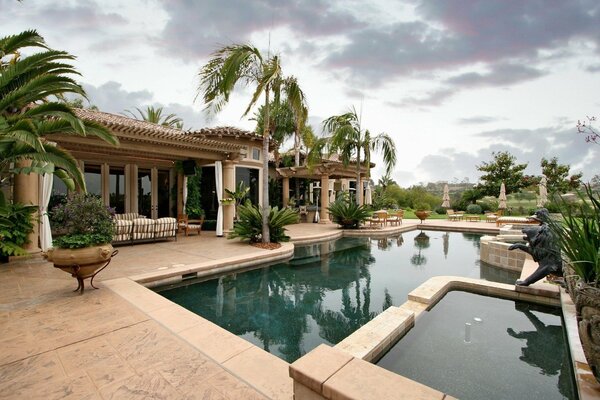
[{"x": 120, "y": 342}]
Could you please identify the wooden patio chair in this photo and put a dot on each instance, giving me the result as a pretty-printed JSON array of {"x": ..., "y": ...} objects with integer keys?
[{"x": 186, "y": 226}]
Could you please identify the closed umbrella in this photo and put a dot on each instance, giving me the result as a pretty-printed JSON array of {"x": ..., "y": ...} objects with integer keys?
[
  {"x": 543, "y": 198},
  {"x": 368, "y": 199},
  {"x": 502, "y": 197},
  {"x": 446, "y": 197}
]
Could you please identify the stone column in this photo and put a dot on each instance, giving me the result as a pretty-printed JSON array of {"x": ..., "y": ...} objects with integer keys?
[
  {"x": 228, "y": 183},
  {"x": 359, "y": 187},
  {"x": 324, "y": 199},
  {"x": 286, "y": 190},
  {"x": 180, "y": 209},
  {"x": 26, "y": 191}
]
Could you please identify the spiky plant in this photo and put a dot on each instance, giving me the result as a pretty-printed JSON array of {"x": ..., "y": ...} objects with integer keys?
[{"x": 249, "y": 223}]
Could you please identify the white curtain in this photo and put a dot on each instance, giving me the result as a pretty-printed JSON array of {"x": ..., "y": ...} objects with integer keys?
[
  {"x": 45, "y": 232},
  {"x": 219, "y": 187},
  {"x": 185, "y": 179}
]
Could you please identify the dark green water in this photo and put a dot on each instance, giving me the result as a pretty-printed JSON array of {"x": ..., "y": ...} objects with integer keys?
[
  {"x": 517, "y": 351},
  {"x": 329, "y": 290}
]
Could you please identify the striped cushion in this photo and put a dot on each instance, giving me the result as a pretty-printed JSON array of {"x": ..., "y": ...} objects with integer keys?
[
  {"x": 165, "y": 227},
  {"x": 123, "y": 230},
  {"x": 143, "y": 228}
]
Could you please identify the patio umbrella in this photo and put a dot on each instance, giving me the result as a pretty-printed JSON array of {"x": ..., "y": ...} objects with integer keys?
[
  {"x": 446, "y": 197},
  {"x": 368, "y": 199},
  {"x": 502, "y": 197},
  {"x": 543, "y": 198}
]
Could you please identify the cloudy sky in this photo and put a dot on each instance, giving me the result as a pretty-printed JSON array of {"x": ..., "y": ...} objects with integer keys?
[{"x": 450, "y": 80}]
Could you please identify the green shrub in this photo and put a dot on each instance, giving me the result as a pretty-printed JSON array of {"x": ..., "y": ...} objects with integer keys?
[
  {"x": 85, "y": 220},
  {"x": 16, "y": 222},
  {"x": 579, "y": 235},
  {"x": 440, "y": 210},
  {"x": 347, "y": 213},
  {"x": 249, "y": 224},
  {"x": 474, "y": 209},
  {"x": 422, "y": 206}
]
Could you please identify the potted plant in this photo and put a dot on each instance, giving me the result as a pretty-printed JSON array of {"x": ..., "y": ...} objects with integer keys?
[
  {"x": 422, "y": 211},
  {"x": 347, "y": 213},
  {"x": 578, "y": 235},
  {"x": 84, "y": 249}
]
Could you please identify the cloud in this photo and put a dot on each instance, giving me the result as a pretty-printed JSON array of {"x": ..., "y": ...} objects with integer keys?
[
  {"x": 450, "y": 35},
  {"x": 195, "y": 28},
  {"x": 111, "y": 97},
  {"x": 499, "y": 75},
  {"x": 84, "y": 17},
  {"x": 479, "y": 119},
  {"x": 593, "y": 68},
  {"x": 432, "y": 98}
]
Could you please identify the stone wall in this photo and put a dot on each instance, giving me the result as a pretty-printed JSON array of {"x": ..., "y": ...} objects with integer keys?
[{"x": 497, "y": 254}]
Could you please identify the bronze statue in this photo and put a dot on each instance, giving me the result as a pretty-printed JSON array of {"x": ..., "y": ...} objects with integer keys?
[{"x": 542, "y": 246}]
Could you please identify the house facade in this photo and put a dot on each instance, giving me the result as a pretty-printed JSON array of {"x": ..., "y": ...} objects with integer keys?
[{"x": 144, "y": 173}]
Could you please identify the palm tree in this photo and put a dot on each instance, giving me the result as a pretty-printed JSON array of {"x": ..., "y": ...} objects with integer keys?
[
  {"x": 281, "y": 124},
  {"x": 348, "y": 139},
  {"x": 30, "y": 112},
  {"x": 245, "y": 64},
  {"x": 154, "y": 115}
]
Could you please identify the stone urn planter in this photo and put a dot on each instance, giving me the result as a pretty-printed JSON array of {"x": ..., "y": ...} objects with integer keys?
[
  {"x": 422, "y": 215},
  {"x": 587, "y": 305},
  {"x": 82, "y": 263}
]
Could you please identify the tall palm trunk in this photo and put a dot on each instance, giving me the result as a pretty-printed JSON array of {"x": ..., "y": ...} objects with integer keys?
[
  {"x": 358, "y": 185},
  {"x": 266, "y": 236},
  {"x": 296, "y": 162}
]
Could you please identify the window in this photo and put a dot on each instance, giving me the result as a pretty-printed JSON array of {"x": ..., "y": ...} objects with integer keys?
[
  {"x": 93, "y": 179},
  {"x": 255, "y": 153},
  {"x": 250, "y": 178},
  {"x": 116, "y": 189}
]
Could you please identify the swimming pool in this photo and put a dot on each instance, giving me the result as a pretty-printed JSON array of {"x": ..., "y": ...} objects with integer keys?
[
  {"x": 477, "y": 347},
  {"x": 329, "y": 290}
]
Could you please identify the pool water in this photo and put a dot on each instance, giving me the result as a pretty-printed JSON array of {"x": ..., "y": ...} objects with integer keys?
[
  {"x": 511, "y": 350},
  {"x": 329, "y": 290}
]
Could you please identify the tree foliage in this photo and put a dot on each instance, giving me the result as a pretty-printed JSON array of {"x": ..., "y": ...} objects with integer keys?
[
  {"x": 241, "y": 63},
  {"x": 557, "y": 175},
  {"x": 348, "y": 139},
  {"x": 155, "y": 115},
  {"x": 503, "y": 168},
  {"x": 30, "y": 110}
]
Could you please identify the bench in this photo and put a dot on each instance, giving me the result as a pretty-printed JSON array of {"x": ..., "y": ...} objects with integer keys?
[
  {"x": 516, "y": 220},
  {"x": 130, "y": 231}
]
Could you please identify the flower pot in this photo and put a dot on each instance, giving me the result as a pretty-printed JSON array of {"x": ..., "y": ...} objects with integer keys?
[
  {"x": 82, "y": 263},
  {"x": 422, "y": 215},
  {"x": 588, "y": 310}
]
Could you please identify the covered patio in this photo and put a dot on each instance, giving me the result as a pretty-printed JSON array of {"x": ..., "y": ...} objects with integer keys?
[{"x": 333, "y": 177}]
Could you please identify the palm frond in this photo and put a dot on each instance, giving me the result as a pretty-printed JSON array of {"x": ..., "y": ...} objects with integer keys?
[{"x": 12, "y": 43}]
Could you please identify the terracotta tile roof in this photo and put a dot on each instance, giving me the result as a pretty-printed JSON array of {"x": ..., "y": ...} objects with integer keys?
[
  {"x": 222, "y": 131},
  {"x": 149, "y": 130}
]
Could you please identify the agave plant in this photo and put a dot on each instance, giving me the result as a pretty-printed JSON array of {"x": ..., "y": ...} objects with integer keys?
[
  {"x": 249, "y": 224},
  {"x": 579, "y": 235},
  {"x": 348, "y": 214}
]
